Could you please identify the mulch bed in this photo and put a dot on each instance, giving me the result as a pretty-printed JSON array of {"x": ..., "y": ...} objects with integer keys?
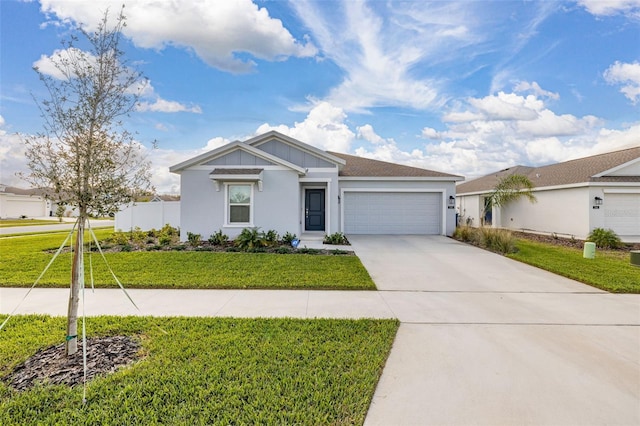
[
  {"x": 51, "y": 365},
  {"x": 566, "y": 242}
]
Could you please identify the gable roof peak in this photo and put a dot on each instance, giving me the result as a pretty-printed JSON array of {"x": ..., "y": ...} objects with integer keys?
[{"x": 273, "y": 134}]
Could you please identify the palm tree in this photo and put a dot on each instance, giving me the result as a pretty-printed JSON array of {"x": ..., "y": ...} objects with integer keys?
[{"x": 509, "y": 189}]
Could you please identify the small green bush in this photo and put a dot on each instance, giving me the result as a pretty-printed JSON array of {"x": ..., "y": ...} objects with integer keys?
[
  {"x": 194, "y": 239},
  {"x": 218, "y": 238},
  {"x": 337, "y": 238},
  {"x": 288, "y": 238},
  {"x": 138, "y": 237},
  {"x": 120, "y": 238},
  {"x": 168, "y": 234},
  {"x": 604, "y": 238},
  {"x": 249, "y": 239},
  {"x": 165, "y": 240},
  {"x": 283, "y": 250},
  {"x": 271, "y": 237}
]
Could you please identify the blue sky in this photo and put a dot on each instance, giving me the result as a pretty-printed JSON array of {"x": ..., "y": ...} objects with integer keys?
[{"x": 465, "y": 87}]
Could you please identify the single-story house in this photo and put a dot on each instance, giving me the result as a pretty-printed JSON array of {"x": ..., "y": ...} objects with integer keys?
[
  {"x": 17, "y": 202},
  {"x": 573, "y": 197},
  {"x": 273, "y": 181}
]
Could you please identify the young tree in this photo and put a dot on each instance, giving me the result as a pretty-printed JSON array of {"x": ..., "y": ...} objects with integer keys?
[
  {"x": 507, "y": 190},
  {"x": 84, "y": 156}
]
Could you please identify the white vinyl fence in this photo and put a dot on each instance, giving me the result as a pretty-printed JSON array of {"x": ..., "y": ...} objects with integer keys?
[{"x": 146, "y": 216}]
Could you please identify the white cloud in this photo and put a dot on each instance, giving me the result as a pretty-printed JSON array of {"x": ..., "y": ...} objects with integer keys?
[
  {"x": 627, "y": 75},
  {"x": 379, "y": 51},
  {"x": 12, "y": 157},
  {"x": 430, "y": 133},
  {"x": 612, "y": 7},
  {"x": 535, "y": 88},
  {"x": 161, "y": 105},
  {"x": 216, "y": 142},
  {"x": 495, "y": 132},
  {"x": 46, "y": 65},
  {"x": 219, "y": 32},
  {"x": 324, "y": 127},
  {"x": 367, "y": 133}
]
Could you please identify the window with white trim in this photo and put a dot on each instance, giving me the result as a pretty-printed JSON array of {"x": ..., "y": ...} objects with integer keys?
[{"x": 239, "y": 203}]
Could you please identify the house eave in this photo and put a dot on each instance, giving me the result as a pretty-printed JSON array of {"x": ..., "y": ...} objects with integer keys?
[
  {"x": 402, "y": 178},
  {"x": 556, "y": 187}
]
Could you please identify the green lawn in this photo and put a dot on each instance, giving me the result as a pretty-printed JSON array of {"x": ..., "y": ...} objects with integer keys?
[
  {"x": 23, "y": 258},
  {"x": 6, "y": 223},
  {"x": 610, "y": 270},
  {"x": 208, "y": 371}
]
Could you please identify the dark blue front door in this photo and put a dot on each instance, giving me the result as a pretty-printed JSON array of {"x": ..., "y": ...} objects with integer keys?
[{"x": 314, "y": 210}]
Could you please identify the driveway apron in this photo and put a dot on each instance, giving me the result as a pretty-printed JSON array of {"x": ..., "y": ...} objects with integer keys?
[{"x": 486, "y": 340}]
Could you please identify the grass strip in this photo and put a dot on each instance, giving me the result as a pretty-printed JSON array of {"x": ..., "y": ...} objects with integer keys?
[
  {"x": 209, "y": 371},
  {"x": 609, "y": 271},
  {"x": 6, "y": 223},
  {"x": 22, "y": 259}
]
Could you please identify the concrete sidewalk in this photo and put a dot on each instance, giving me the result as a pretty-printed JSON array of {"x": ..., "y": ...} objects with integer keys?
[{"x": 201, "y": 303}]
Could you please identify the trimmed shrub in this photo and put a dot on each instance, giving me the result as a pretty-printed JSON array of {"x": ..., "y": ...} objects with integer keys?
[
  {"x": 288, "y": 238},
  {"x": 218, "y": 238},
  {"x": 271, "y": 237},
  {"x": 337, "y": 238},
  {"x": 249, "y": 239},
  {"x": 194, "y": 239},
  {"x": 604, "y": 238}
]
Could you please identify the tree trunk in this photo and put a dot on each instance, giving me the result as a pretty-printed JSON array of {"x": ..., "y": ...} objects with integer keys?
[{"x": 77, "y": 282}]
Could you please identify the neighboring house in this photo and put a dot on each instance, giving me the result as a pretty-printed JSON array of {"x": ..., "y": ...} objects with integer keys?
[
  {"x": 276, "y": 182},
  {"x": 18, "y": 202},
  {"x": 573, "y": 197}
]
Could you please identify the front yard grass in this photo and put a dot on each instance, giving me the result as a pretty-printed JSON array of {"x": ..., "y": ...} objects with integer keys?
[
  {"x": 208, "y": 371},
  {"x": 609, "y": 271},
  {"x": 6, "y": 223},
  {"x": 23, "y": 258}
]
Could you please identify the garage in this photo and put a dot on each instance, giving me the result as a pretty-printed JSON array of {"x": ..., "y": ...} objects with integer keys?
[
  {"x": 392, "y": 213},
  {"x": 622, "y": 214}
]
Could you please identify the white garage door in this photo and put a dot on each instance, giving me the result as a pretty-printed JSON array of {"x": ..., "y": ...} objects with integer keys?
[
  {"x": 622, "y": 213},
  {"x": 25, "y": 206},
  {"x": 392, "y": 213}
]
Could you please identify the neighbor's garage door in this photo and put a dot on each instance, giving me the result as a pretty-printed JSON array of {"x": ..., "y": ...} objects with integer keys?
[
  {"x": 392, "y": 213},
  {"x": 622, "y": 213}
]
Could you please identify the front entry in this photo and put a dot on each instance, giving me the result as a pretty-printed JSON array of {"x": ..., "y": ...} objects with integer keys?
[{"x": 314, "y": 210}]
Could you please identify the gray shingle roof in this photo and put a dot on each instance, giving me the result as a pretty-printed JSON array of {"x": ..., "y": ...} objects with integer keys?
[
  {"x": 365, "y": 167},
  {"x": 566, "y": 173}
]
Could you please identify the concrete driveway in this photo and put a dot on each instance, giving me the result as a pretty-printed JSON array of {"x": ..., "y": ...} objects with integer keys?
[{"x": 485, "y": 340}]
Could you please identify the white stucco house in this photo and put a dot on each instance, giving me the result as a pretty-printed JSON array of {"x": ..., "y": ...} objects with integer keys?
[
  {"x": 573, "y": 197},
  {"x": 273, "y": 181}
]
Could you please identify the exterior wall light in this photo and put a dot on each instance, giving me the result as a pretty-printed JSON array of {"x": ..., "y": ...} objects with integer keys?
[
  {"x": 452, "y": 200},
  {"x": 597, "y": 201}
]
